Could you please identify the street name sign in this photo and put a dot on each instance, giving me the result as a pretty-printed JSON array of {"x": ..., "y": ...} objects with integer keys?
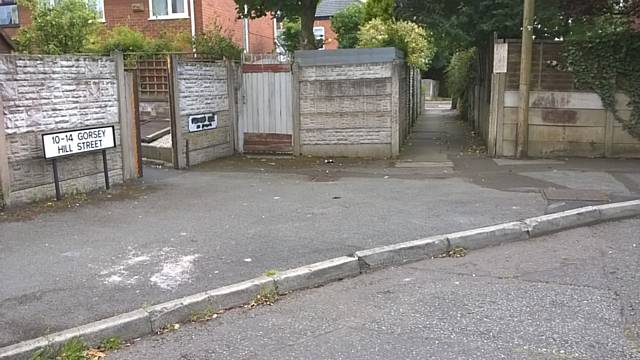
[{"x": 73, "y": 142}]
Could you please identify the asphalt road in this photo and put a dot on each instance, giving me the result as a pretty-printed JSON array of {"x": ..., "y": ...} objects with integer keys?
[
  {"x": 573, "y": 295},
  {"x": 184, "y": 232}
]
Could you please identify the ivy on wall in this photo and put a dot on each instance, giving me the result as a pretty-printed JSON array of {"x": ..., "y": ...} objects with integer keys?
[{"x": 604, "y": 56}]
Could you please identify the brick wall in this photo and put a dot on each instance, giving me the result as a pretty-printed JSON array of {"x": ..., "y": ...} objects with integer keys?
[
  {"x": 121, "y": 12},
  {"x": 42, "y": 94},
  {"x": 201, "y": 89},
  {"x": 208, "y": 13},
  {"x": 330, "y": 37},
  {"x": 223, "y": 14}
]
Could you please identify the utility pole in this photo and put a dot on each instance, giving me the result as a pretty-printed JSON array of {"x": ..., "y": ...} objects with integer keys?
[{"x": 522, "y": 130}]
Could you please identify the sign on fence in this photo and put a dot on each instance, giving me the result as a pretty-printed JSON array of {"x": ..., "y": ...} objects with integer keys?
[
  {"x": 202, "y": 122},
  {"x": 72, "y": 142},
  {"x": 65, "y": 143}
]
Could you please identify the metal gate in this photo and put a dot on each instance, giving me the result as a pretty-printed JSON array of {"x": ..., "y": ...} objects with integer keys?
[{"x": 265, "y": 109}]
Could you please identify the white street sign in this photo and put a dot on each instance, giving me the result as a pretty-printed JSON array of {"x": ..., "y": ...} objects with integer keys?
[{"x": 72, "y": 142}]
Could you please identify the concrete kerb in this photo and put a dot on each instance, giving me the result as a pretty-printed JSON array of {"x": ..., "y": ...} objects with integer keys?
[
  {"x": 126, "y": 326},
  {"x": 226, "y": 297},
  {"x": 149, "y": 320},
  {"x": 398, "y": 254},
  {"x": 314, "y": 275}
]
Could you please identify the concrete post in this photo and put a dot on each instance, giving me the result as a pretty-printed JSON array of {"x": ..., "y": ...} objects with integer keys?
[
  {"x": 395, "y": 109},
  {"x": 127, "y": 140},
  {"x": 177, "y": 140},
  {"x": 608, "y": 134},
  {"x": 295, "y": 91},
  {"x": 232, "y": 89},
  {"x": 5, "y": 185}
]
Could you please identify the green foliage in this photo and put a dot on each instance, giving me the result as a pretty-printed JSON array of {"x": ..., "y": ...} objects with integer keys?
[
  {"x": 413, "y": 40},
  {"x": 460, "y": 75},
  {"x": 378, "y": 9},
  {"x": 214, "y": 44},
  {"x": 111, "y": 344},
  {"x": 290, "y": 36},
  {"x": 64, "y": 28},
  {"x": 271, "y": 273},
  {"x": 346, "y": 24},
  {"x": 604, "y": 56},
  {"x": 127, "y": 40},
  {"x": 462, "y": 24},
  {"x": 73, "y": 349}
]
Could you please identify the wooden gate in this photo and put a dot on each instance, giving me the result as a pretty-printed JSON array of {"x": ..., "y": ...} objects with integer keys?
[{"x": 265, "y": 109}]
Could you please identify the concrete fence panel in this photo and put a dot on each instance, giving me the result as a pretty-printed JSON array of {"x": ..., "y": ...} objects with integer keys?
[
  {"x": 43, "y": 94},
  {"x": 351, "y": 102},
  {"x": 203, "y": 112}
]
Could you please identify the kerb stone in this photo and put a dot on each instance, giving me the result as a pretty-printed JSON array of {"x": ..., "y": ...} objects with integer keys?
[
  {"x": 126, "y": 326},
  {"x": 317, "y": 274},
  {"x": 399, "y": 254},
  {"x": 489, "y": 236},
  {"x": 226, "y": 297},
  {"x": 620, "y": 210},
  {"x": 564, "y": 220}
]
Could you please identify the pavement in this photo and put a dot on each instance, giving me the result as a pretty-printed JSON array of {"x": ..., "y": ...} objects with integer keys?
[
  {"x": 181, "y": 232},
  {"x": 572, "y": 295}
]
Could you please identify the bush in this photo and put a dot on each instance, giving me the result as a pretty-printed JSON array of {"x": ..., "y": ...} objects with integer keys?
[
  {"x": 127, "y": 40},
  {"x": 64, "y": 28},
  {"x": 378, "y": 9},
  {"x": 460, "y": 74},
  {"x": 413, "y": 40},
  {"x": 216, "y": 45},
  {"x": 346, "y": 24}
]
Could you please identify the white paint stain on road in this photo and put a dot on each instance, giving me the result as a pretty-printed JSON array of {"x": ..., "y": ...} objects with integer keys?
[
  {"x": 174, "y": 273},
  {"x": 165, "y": 268}
]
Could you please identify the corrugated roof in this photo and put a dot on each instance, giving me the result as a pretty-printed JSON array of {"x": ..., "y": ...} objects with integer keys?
[{"x": 330, "y": 7}]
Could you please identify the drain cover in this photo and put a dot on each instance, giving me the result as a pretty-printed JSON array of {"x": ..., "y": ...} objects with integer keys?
[{"x": 575, "y": 195}]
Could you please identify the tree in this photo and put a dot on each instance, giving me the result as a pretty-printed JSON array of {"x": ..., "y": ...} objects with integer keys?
[
  {"x": 467, "y": 23},
  {"x": 304, "y": 10},
  {"x": 290, "y": 36},
  {"x": 66, "y": 27},
  {"x": 413, "y": 40},
  {"x": 346, "y": 23},
  {"x": 378, "y": 9}
]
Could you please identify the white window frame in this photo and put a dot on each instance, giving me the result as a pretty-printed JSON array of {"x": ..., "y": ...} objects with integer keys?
[
  {"x": 101, "y": 17},
  {"x": 171, "y": 15},
  {"x": 323, "y": 35},
  {"x": 17, "y": 13}
]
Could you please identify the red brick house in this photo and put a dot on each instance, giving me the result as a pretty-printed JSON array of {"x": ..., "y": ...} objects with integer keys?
[
  {"x": 322, "y": 25},
  {"x": 153, "y": 17}
]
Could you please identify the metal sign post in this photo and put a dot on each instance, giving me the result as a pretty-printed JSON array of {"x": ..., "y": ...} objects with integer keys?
[
  {"x": 56, "y": 179},
  {"x": 66, "y": 143},
  {"x": 106, "y": 169}
]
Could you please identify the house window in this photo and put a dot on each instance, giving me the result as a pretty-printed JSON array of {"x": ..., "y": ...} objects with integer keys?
[
  {"x": 8, "y": 12},
  {"x": 167, "y": 9},
  {"x": 97, "y": 5},
  {"x": 318, "y": 32}
]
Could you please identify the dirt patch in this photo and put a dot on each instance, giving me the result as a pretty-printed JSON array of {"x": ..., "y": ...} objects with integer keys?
[{"x": 130, "y": 191}]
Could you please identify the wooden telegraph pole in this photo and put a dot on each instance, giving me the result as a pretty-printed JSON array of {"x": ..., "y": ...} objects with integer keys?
[{"x": 522, "y": 131}]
